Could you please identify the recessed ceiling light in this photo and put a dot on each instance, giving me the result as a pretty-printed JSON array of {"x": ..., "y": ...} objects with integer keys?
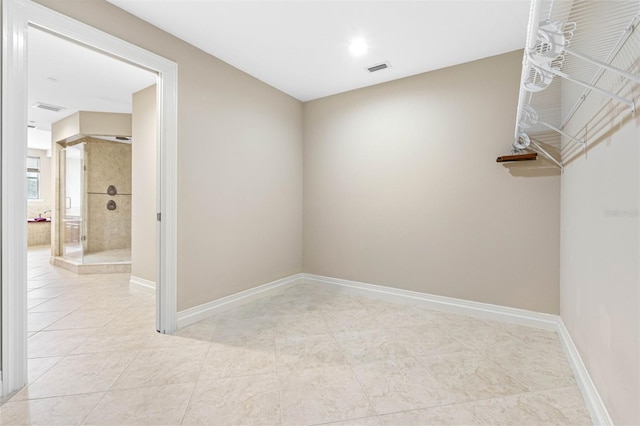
[
  {"x": 358, "y": 47},
  {"x": 52, "y": 79}
]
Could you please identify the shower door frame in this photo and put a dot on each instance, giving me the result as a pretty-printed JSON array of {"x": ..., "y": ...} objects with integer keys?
[
  {"x": 61, "y": 222},
  {"x": 17, "y": 16}
]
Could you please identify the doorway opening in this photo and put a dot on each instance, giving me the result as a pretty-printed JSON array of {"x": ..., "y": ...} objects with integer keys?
[
  {"x": 18, "y": 17},
  {"x": 84, "y": 190}
]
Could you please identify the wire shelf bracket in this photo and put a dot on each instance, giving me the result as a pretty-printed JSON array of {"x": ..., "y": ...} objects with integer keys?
[{"x": 582, "y": 42}]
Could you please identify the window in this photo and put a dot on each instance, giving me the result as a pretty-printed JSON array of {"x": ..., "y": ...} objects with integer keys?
[{"x": 33, "y": 178}]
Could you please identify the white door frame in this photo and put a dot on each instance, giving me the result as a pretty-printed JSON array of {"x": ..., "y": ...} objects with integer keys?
[{"x": 18, "y": 15}]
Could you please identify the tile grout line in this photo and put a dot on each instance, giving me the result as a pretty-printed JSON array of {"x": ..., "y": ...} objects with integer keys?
[
  {"x": 52, "y": 397},
  {"x": 47, "y": 370},
  {"x": 84, "y": 420},
  {"x": 480, "y": 400},
  {"x": 278, "y": 381},
  {"x": 108, "y": 390},
  {"x": 486, "y": 358},
  {"x": 62, "y": 358},
  {"x": 195, "y": 385},
  {"x": 54, "y": 322},
  {"x": 362, "y": 389},
  {"x": 348, "y": 420},
  {"x": 498, "y": 366},
  {"x": 119, "y": 376}
]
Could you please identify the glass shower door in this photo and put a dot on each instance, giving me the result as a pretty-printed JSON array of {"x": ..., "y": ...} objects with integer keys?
[{"x": 73, "y": 203}]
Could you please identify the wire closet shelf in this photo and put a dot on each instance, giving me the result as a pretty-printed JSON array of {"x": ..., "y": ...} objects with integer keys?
[{"x": 580, "y": 72}]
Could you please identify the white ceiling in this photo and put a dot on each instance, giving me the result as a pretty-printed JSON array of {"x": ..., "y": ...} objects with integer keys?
[
  {"x": 301, "y": 47},
  {"x": 77, "y": 78}
]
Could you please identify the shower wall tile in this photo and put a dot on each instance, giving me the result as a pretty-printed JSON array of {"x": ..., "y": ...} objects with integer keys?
[
  {"x": 108, "y": 163},
  {"x": 108, "y": 229}
]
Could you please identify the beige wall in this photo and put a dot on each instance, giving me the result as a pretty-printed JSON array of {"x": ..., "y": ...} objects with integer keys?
[
  {"x": 401, "y": 188},
  {"x": 143, "y": 207},
  {"x": 600, "y": 296},
  {"x": 239, "y": 164},
  {"x": 105, "y": 123},
  {"x": 66, "y": 127},
  {"x": 91, "y": 123},
  {"x": 600, "y": 250}
]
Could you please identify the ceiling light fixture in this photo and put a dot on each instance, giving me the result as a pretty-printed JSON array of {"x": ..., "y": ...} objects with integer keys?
[{"x": 358, "y": 47}]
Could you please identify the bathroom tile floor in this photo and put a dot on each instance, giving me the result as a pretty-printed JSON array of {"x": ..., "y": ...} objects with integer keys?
[{"x": 309, "y": 355}]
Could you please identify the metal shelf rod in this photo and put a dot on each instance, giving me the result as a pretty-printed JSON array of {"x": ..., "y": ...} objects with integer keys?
[
  {"x": 546, "y": 154},
  {"x": 620, "y": 99},
  {"x": 562, "y": 132},
  {"x": 625, "y": 74},
  {"x": 623, "y": 39}
]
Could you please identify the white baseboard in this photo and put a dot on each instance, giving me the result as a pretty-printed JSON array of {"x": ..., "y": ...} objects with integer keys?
[
  {"x": 142, "y": 284},
  {"x": 442, "y": 303},
  {"x": 592, "y": 399},
  {"x": 200, "y": 312}
]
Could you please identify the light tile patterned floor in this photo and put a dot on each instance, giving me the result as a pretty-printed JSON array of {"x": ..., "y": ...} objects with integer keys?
[{"x": 310, "y": 355}]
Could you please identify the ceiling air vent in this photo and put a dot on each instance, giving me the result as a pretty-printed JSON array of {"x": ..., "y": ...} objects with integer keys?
[
  {"x": 48, "y": 107},
  {"x": 378, "y": 67}
]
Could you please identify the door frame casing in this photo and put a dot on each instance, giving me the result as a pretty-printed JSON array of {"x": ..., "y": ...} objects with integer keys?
[{"x": 17, "y": 16}]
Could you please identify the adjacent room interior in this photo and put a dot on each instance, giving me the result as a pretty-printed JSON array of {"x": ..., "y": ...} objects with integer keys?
[{"x": 349, "y": 248}]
